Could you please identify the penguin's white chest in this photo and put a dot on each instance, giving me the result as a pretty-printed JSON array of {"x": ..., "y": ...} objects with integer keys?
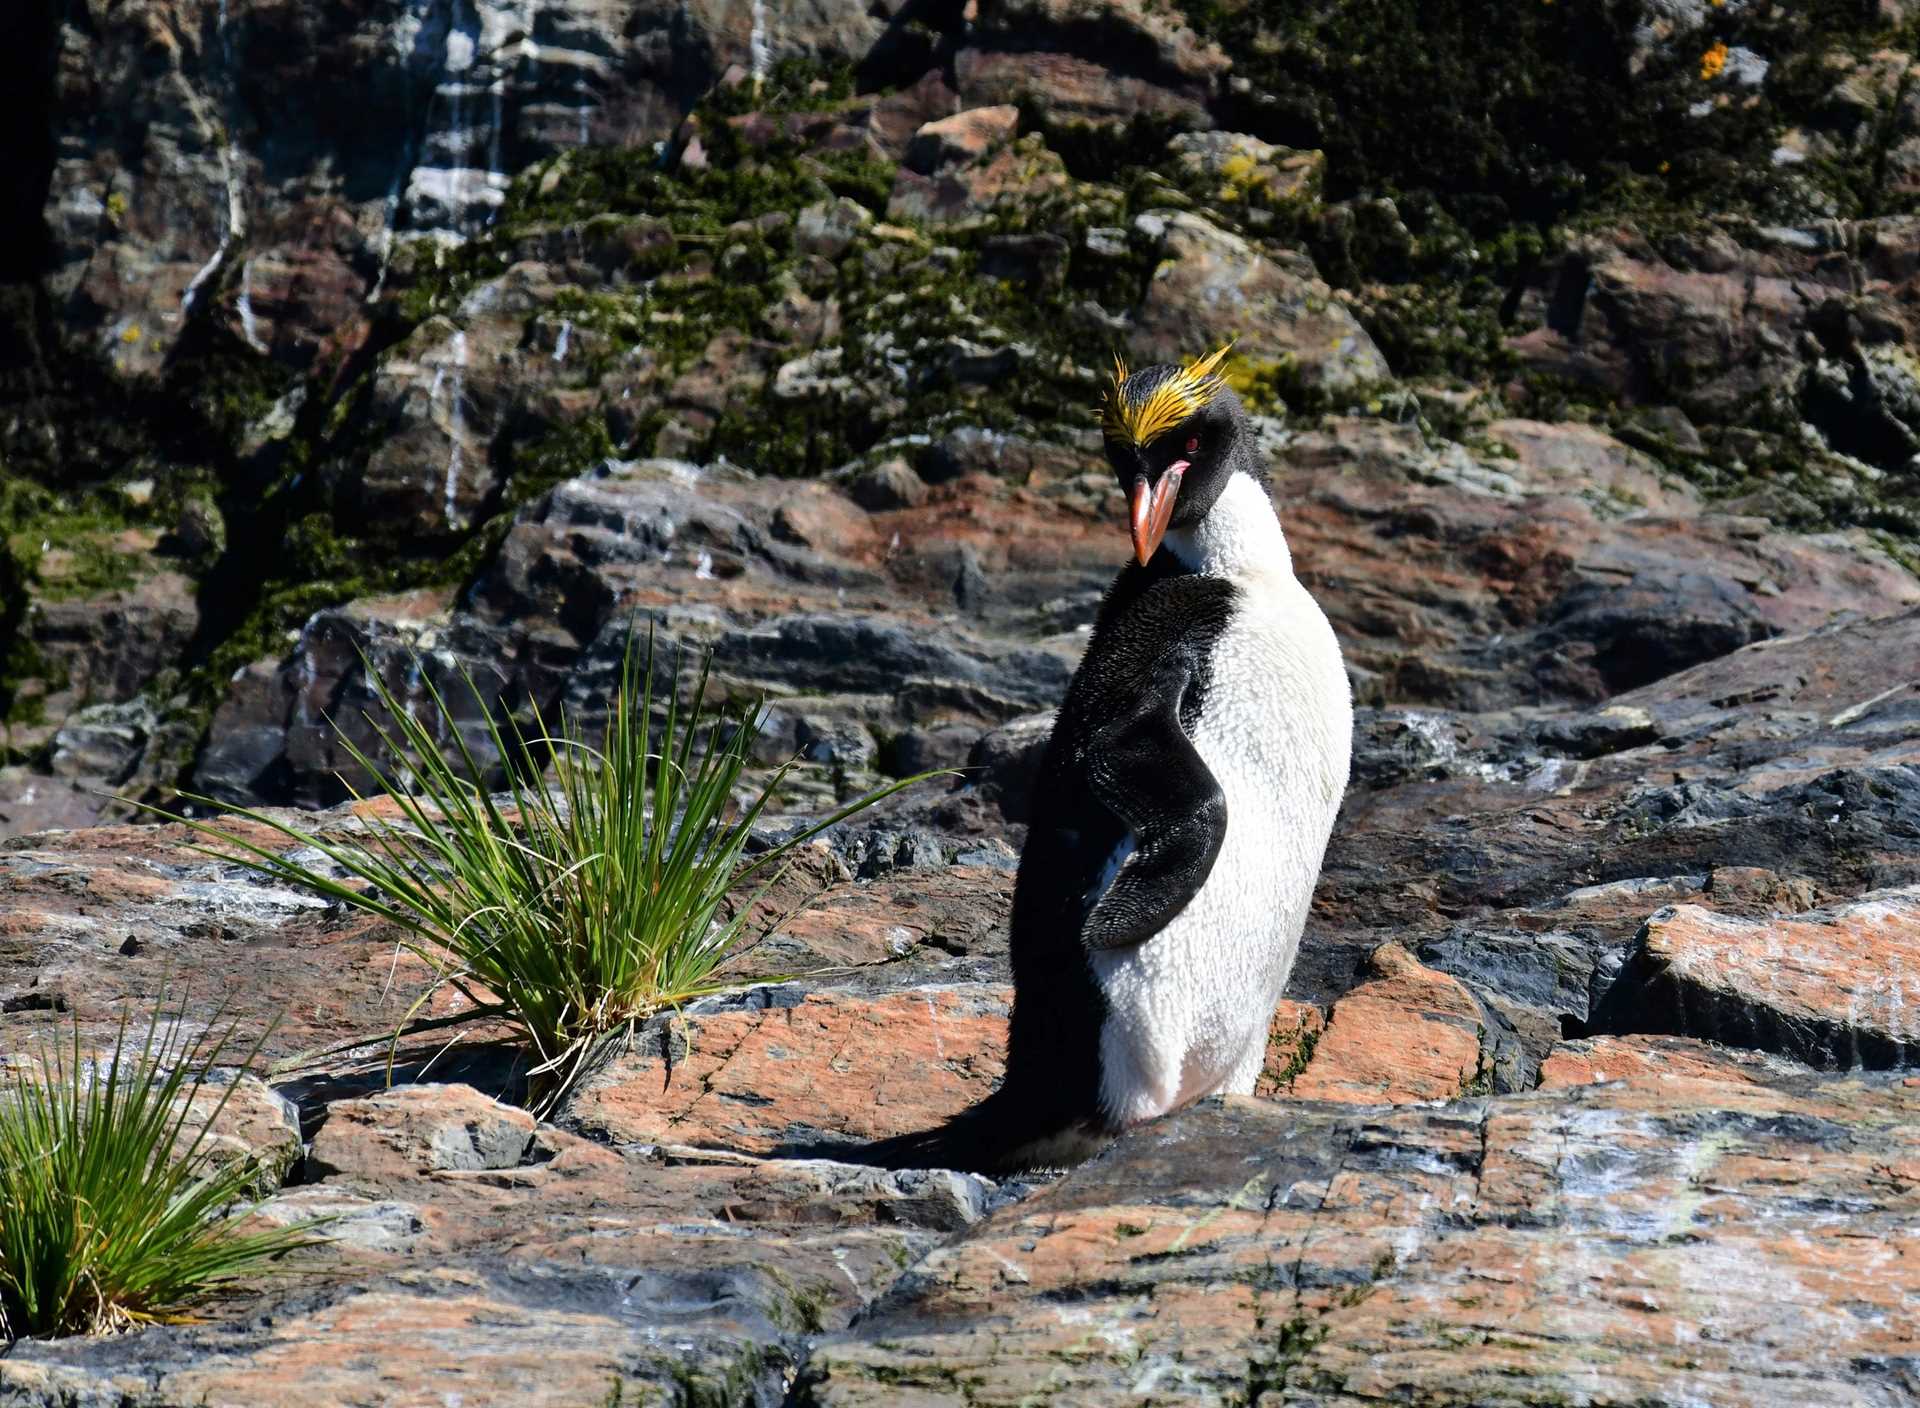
[{"x": 1188, "y": 1010}]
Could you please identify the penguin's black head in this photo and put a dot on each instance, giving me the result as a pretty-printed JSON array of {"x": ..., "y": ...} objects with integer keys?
[{"x": 1174, "y": 436}]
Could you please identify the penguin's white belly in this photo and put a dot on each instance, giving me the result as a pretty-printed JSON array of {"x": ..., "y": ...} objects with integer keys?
[{"x": 1188, "y": 1010}]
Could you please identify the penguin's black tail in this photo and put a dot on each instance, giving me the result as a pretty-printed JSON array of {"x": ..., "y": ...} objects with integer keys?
[{"x": 1001, "y": 1135}]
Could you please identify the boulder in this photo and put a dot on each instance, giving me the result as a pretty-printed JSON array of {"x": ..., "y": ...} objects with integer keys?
[
  {"x": 1835, "y": 988},
  {"x": 1211, "y": 286},
  {"x": 418, "y": 1127},
  {"x": 968, "y": 195},
  {"x": 1234, "y": 167},
  {"x": 962, "y": 138},
  {"x": 1408, "y": 1034},
  {"x": 1098, "y": 64}
]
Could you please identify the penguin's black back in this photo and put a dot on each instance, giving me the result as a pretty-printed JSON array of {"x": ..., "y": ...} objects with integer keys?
[{"x": 1048, "y": 1109}]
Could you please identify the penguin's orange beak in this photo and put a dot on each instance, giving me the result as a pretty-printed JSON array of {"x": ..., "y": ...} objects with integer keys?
[{"x": 1152, "y": 510}]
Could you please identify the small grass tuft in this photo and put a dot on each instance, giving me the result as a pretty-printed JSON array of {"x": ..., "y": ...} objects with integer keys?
[
  {"x": 111, "y": 1202},
  {"x": 585, "y": 906}
]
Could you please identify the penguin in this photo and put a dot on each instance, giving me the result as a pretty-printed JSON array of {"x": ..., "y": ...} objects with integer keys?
[{"x": 1182, "y": 807}]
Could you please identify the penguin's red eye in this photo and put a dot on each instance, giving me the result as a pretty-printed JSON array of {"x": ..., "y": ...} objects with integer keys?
[{"x": 1193, "y": 444}]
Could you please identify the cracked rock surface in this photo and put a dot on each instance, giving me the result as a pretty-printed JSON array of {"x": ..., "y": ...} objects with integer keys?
[{"x": 1592, "y": 1086}]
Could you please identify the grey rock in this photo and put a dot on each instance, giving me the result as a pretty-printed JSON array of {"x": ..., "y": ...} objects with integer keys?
[
  {"x": 1610, "y": 730},
  {"x": 380, "y": 1225},
  {"x": 105, "y": 742},
  {"x": 829, "y": 228},
  {"x": 890, "y": 484},
  {"x": 1004, "y": 763},
  {"x": 922, "y": 749}
]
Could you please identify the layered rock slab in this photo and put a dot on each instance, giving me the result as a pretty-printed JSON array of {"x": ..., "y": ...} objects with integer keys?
[
  {"x": 1621, "y": 1243},
  {"x": 780, "y": 1068},
  {"x": 578, "y": 1275},
  {"x": 1835, "y": 988}
]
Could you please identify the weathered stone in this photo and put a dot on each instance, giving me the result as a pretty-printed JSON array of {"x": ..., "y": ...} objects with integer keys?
[
  {"x": 908, "y": 911},
  {"x": 1610, "y": 730},
  {"x": 962, "y": 138},
  {"x": 105, "y": 741},
  {"x": 1487, "y": 1252},
  {"x": 888, "y": 485},
  {"x": 968, "y": 195},
  {"x": 239, "y": 178},
  {"x": 106, "y": 647},
  {"x": 814, "y": 517},
  {"x": 1098, "y": 63},
  {"x": 1241, "y": 168},
  {"x": 830, "y": 227},
  {"x": 1836, "y": 988},
  {"x": 919, "y": 750},
  {"x": 245, "y": 1121},
  {"x": 1292, "y": 1039},
  {"x": 1005, "y": 762},
  {"x": 410, "y": 1127},
  {"x": 1658, "y": 1060},
  {"x": 1409, "y": 1034},
  {"x": 1212, "y": 286},
  {"x": 787, "y": 1070},
  {"x": 1583, "y": 460}
]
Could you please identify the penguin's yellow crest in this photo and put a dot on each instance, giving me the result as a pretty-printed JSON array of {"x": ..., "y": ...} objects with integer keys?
[{"x": 1166, "y": 405}]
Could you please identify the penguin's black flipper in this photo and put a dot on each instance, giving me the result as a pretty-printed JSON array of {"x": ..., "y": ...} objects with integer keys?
[{"x": 1145, "y": 769}]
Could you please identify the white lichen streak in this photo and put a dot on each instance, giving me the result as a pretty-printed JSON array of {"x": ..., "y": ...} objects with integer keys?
[
  {"x": 249, "y": 324},
  {"x": 456, "y": 425},
  {"x": 758, "y": 49}
]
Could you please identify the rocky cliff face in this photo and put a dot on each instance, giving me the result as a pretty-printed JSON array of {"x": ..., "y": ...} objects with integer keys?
[
  {"x": 440, "y": 339},
  {"x": 319, "y": 307}
]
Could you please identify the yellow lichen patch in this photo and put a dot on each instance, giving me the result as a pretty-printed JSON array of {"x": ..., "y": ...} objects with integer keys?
[
  {"x": 1260, "y": 384},
  {"x": 1713, "y": 61},
  {"x": 1243, "y": 178},
  {"x": 1169, "y": 403}
]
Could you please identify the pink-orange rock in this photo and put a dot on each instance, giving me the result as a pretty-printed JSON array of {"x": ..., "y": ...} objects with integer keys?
[
  {"x": 245, "y": 1120},
  {"x": 1756, "y": 888},
  {"x": 1409, "y": 1034},
  {"x": 1656, "y": 1059},
  {"x": 821, "y": 1067},
  {"x": 1292, "y": 1039},
  {"x": 969, "y": 193},
  {"x": 1147, "y": 60},
  {"x": 965, "y": 136},
  {"x": 1835, "y": 988},
  {"x": 1582, "y": 459},
  {"x": 954, "y": 911},
  {"x": 815, "y": 516},
  {"x": 449, "y": 1338},
  {"x": 1609, "y": 1244}
]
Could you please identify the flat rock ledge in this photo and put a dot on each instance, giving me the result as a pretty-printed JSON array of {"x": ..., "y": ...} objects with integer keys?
[{"x": 1629, "y": 1242}]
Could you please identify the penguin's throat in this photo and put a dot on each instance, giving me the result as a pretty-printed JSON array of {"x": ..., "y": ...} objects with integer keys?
[{"x": 1239, "y": 535}]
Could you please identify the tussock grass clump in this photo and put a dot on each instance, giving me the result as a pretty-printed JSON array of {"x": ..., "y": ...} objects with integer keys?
[
  {"x": 111, "y": 1200},
  {"x": 590, "y": 901}
]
